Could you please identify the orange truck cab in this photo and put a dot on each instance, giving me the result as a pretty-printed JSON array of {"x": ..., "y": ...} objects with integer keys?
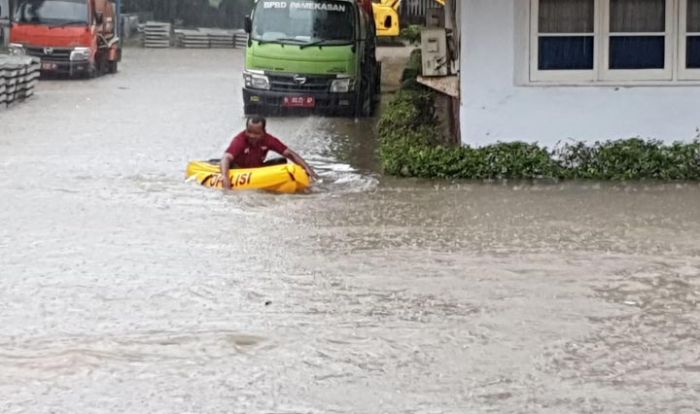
[{"x": 73, "y": 37}]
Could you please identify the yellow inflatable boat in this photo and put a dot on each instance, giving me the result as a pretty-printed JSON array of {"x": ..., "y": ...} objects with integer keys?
[{"x": 281, "y": 178}]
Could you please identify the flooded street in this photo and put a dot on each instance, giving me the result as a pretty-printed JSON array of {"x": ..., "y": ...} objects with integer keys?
[{"x": 125, "y": 289}]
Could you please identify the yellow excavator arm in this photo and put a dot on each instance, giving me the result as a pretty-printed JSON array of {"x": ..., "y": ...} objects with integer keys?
[{"x": 386, "y": 17}]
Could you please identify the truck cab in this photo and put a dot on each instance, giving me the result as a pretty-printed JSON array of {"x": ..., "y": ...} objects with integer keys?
[
  {"x": 311, "y": 54},
  {"x": 69, "y": 36}
]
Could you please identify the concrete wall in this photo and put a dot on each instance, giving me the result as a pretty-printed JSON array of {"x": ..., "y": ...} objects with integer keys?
[{"x": 495, "y": 109}]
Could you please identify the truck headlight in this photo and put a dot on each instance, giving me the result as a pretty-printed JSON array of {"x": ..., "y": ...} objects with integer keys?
[
  {"x": 15, "y": 49},
  {"x": 80, "y": 53},
  {"x": 342, "y": 85},
  {"x": 256, "y": 80}
]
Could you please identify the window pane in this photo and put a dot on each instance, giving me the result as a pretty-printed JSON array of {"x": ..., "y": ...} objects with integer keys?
[
  {"x": 637, "y": 16},
  {"x": 693, "y": 52},
  {"x": 637, "y": 52},
  {"x": 694, "y": 16},
  {"x": 566, "y": 53},
  {"x": 566, "y": 16}
]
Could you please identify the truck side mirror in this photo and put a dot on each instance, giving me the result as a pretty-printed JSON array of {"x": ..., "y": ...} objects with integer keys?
[
  {"x": 99, "y": 17},
  {"x": 248, "y": 25}
]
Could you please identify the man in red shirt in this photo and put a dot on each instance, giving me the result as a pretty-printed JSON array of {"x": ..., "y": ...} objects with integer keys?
[{"x": 249, "y": 149}]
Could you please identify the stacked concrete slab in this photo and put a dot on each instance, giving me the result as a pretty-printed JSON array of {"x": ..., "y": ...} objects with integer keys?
[
  {"x": 18, "y": 76},
  {"x": 202, "y": 38},
  {"x": 192, "y": 39},
  {"x": 240, "y": 39},
  {"x": 157, "y": 34},
  {"x": 219, "y": 38}
]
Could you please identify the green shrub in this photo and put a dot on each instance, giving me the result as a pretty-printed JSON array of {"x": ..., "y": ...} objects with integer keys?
[
  {"x": 411, "y": 33},
  {"x": 413, "y": 69},
  {"x": 409, "y": 146},
  {"x": 631, "y": 159}
]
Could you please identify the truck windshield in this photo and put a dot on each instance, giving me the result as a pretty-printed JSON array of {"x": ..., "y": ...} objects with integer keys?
[
  {"x": 52, "y": 12},
  {"x": 303, "y": 22}
]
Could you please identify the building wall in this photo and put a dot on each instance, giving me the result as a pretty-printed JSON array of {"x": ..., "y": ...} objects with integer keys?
[{"x": 497, "y": 106}]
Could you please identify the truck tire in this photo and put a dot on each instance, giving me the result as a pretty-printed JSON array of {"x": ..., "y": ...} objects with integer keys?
[
  {"x": 364, "y": 104},
  {"x": 92, "y": 71},
  {"x": 361, "y": 109},
  {"x": 112, "y": 66},
  {"x": 101, "y": 63},
  {"x": 378, "y": 81}
]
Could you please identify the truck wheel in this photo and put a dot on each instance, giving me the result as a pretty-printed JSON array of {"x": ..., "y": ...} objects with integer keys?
[
  {"x": 112, "y": 66},
  {"x": 374, "y": 95},
  {"x": 364, "y": 106},
  {"x": 378, "y": 80},
  {"x": 101, "y": 64},
  {"x": 91, "y": 72}
]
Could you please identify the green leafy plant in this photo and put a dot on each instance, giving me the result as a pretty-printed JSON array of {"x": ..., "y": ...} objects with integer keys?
[
  {"x": 411, "y": 33},
  {"x": 409, "y": 146}
]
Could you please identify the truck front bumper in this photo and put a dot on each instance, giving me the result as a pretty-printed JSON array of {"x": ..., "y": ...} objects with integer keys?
[
  {"x": 69, "y": 68},
  {"x": 266, "y": 101}
]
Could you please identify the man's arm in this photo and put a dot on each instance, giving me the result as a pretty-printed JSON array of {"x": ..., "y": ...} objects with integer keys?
[
  {"x": 225, "y": 167},
  {"x": 296, "y": 158}
]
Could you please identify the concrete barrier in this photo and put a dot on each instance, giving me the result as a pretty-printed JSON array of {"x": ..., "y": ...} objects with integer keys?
[
  {"x": 18, "y": 76},
  {"x": 157, "y": 34},
  {"x": 204, "y": 37}
]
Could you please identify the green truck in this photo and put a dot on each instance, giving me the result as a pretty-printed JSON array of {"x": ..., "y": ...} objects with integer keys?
[{"x": 315, "y": 55}]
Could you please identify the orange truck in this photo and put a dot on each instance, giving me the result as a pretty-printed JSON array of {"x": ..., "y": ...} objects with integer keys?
[{"x": 71, "y": 37}]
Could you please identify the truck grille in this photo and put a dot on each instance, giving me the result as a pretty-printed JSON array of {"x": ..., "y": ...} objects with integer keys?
[
  {"x": 301, "y": 83},
  {"x": 50, "y": 54}
]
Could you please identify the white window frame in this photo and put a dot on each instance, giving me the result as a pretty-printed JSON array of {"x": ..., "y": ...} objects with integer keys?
[
  {"x": 637, "y": 74},
  {"x": 684, "y": 73},
  {"x": 674, "y": 72},
  {"x": 537, "y": 75}
]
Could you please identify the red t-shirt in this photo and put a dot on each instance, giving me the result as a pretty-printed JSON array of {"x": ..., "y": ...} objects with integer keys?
[{"x": 248, "y": 155}]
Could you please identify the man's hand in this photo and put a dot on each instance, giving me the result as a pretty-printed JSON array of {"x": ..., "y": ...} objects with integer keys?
[
  {"x": 226, "y": 181},
  {"x": 312, "y": 174},
  {"x": 296, "y": 158},
  {"x": 225, "y": 166}
]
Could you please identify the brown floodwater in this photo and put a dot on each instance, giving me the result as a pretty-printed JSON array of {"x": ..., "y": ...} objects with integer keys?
[{"x": 124, "y": 288}]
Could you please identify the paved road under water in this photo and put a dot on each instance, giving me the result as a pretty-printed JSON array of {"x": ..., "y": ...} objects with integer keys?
[{"x": 125, "y": 289}]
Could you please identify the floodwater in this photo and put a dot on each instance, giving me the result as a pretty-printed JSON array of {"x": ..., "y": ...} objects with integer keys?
[{"x": 124, "y": 289}]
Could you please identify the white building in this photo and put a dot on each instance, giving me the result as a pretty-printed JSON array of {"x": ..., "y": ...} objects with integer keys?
[{"x": 548, "y": 70}]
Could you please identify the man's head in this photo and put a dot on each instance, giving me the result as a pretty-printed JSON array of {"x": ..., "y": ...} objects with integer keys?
[{"x": 255, "y": 127}]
